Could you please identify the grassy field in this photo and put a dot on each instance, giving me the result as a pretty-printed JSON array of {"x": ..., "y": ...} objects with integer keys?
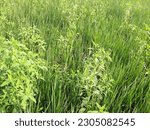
[{"x": 75, "y": 56}]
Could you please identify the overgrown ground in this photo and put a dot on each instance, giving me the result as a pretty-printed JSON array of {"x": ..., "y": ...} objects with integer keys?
[{"x": 74, "y": 56}]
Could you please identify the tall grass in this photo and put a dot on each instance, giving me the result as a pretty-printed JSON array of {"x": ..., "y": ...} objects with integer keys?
[{"x": 97, "y": 52}]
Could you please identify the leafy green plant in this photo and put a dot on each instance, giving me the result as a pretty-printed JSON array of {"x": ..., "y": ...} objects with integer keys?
[
  {"x": 96, "y": 80},
  {"x": 30, "y": 36},
  {"x": 20, "y": 67}
]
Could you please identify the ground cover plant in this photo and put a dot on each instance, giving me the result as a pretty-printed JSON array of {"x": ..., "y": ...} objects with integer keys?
[{"x": 74, "y": 56}]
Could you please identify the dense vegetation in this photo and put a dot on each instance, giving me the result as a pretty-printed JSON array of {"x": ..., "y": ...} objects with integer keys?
[{"x": 74, "y": 56}]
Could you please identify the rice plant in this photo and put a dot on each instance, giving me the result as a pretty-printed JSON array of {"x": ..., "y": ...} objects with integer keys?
[{"x": 74, "y": 56}]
